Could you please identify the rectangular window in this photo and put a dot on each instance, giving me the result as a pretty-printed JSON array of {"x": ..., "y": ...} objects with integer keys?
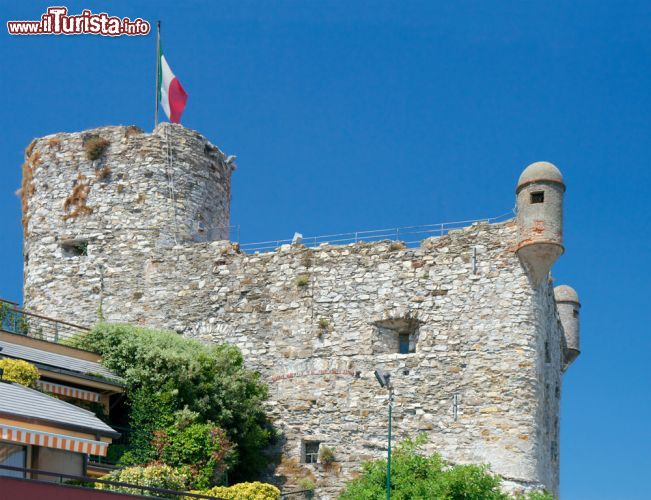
[
  {"x": 13, "y": 456},
  {"x": 74, "y": 248},
  {"x": 538, "y": 197},
  {"x": 397, "y": 335},
  {"x": 548, "y": 357},
  {"x": 403, "y": 341},
  {"x": 310, "y": 452}
]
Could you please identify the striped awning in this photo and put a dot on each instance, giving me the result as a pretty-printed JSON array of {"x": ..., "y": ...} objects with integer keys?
[
  {"x": 51, "y": 440},
  {"x": 65, "y": 390}
]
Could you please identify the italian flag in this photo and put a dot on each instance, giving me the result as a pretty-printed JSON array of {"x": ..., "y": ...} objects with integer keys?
[{"x": 170, "y": 93}]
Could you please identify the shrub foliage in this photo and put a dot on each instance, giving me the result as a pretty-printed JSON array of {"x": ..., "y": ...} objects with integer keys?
[
  {"x": 154, "y": 475},
  {"x": 95, "y": 146},
  {"x": 244, "y": 491},
  {"x": 414, "y": 475},
  {"x": 19, "y": 371},
  {"x": 182, "y": 394}
]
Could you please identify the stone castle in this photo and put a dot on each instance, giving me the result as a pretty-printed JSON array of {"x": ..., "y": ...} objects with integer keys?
[{"x": 468, "y": 324}]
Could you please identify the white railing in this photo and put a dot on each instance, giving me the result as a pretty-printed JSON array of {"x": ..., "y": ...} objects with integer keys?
[{"x": 409, "y": 235}]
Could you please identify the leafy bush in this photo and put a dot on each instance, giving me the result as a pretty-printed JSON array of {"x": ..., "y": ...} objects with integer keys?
[
  {"x": 19, "y": 371},
  {"x": 154, "y": 475},
  {"x": 244, "y": 491},
  {"x": 306, "y": 484},
  {"x": 95, "y": 146},
  {"x": 414, "y": 475},
  {"x": 326, "y": 455},
  {"x": 166, "y": 373},
  {"x": 302, "y": 280},
  {"x": 203, "y": 447}
]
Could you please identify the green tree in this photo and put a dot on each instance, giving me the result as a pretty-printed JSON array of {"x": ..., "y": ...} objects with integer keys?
[
  {"x": 417, "y": 476},
  {"x": 166, "y": 373}
]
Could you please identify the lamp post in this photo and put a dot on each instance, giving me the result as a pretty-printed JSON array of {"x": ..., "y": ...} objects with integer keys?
[{"x": 384, "y": 379}]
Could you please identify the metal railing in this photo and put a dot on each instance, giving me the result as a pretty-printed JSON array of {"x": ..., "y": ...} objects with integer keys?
[
  {"x": 409, "y": 235},
  {"x": 298, "y": 495},
  {"x": 71, "y": 480},
  {"x": 116, "y": 486},
  {"x": 14, "y": 319}
]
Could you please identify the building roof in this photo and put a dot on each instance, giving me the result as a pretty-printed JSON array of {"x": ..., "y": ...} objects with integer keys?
[
  {"x": 59, "y": 362},
  {"x": 565, "y": 293},
  {"x": 539, "y": 172},
  {"x": 24, "y": 403}
]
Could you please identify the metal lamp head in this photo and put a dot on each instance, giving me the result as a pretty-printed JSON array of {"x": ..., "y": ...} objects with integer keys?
[{"x": 383, "y": 377}]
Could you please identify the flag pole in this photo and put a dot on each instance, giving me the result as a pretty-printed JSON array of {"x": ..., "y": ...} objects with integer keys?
[{"x": 157, "y": 72}]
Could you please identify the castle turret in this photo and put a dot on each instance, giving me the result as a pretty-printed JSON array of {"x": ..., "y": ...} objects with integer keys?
[
  {"x": 568, "y": 305},
  {"x": 95, "y": 202},
  {"x": 540, "y": 218}
]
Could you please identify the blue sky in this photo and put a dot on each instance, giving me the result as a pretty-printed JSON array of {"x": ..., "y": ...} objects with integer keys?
[{"x": 355, "y": 115}]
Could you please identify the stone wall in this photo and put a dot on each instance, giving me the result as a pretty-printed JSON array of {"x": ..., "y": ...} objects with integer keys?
[
  {"x": 310, "y": 321},
  {"x": 130, "y": 194},
  {"x": 483, "y": 381}
]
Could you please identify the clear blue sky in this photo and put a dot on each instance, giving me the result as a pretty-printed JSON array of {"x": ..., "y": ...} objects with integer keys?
[{"x": 361, "y": 115}]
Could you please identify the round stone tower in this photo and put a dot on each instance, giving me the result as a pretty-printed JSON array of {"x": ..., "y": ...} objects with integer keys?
[
  {"x": 540, "y": 218},
  {"x": 568, "y": 305},
  {"x": 94, "y": 200}
]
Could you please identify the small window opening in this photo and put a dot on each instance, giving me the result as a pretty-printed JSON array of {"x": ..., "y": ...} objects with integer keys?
[
  {"x": 310, "y": 452},
  {"x": 74, "y": 248},
  {"x": 538, "y": 197},
  {"x": 548, "y": 357},
  {"x": 396, "y": 336},
  {"x": 403, "y": 343},
  {"x": 575, "y": 313}
]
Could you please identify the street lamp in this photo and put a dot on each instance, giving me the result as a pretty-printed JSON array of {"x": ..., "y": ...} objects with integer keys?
[{"x": 384, "y": 379}]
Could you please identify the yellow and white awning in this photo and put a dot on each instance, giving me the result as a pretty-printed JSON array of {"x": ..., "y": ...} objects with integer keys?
[
  {"x": 73, "y": 392},
  {"x": 51, "y": 440}
]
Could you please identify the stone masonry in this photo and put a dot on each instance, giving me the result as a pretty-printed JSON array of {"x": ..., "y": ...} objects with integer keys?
[{"x": 487, "y": 348}]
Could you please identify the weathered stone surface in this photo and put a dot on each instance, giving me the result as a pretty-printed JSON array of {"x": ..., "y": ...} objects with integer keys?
[{"x": 485, "y": 336}]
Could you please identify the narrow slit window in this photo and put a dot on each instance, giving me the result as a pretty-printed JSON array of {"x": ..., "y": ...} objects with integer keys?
[
  {"x": 538, "y": 197},
  {"x": 548, "y": 357},
  {"x": 576, "y": 313}
]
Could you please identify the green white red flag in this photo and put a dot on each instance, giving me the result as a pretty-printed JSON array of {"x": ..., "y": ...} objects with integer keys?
[{"x": 170, "y": 92}]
